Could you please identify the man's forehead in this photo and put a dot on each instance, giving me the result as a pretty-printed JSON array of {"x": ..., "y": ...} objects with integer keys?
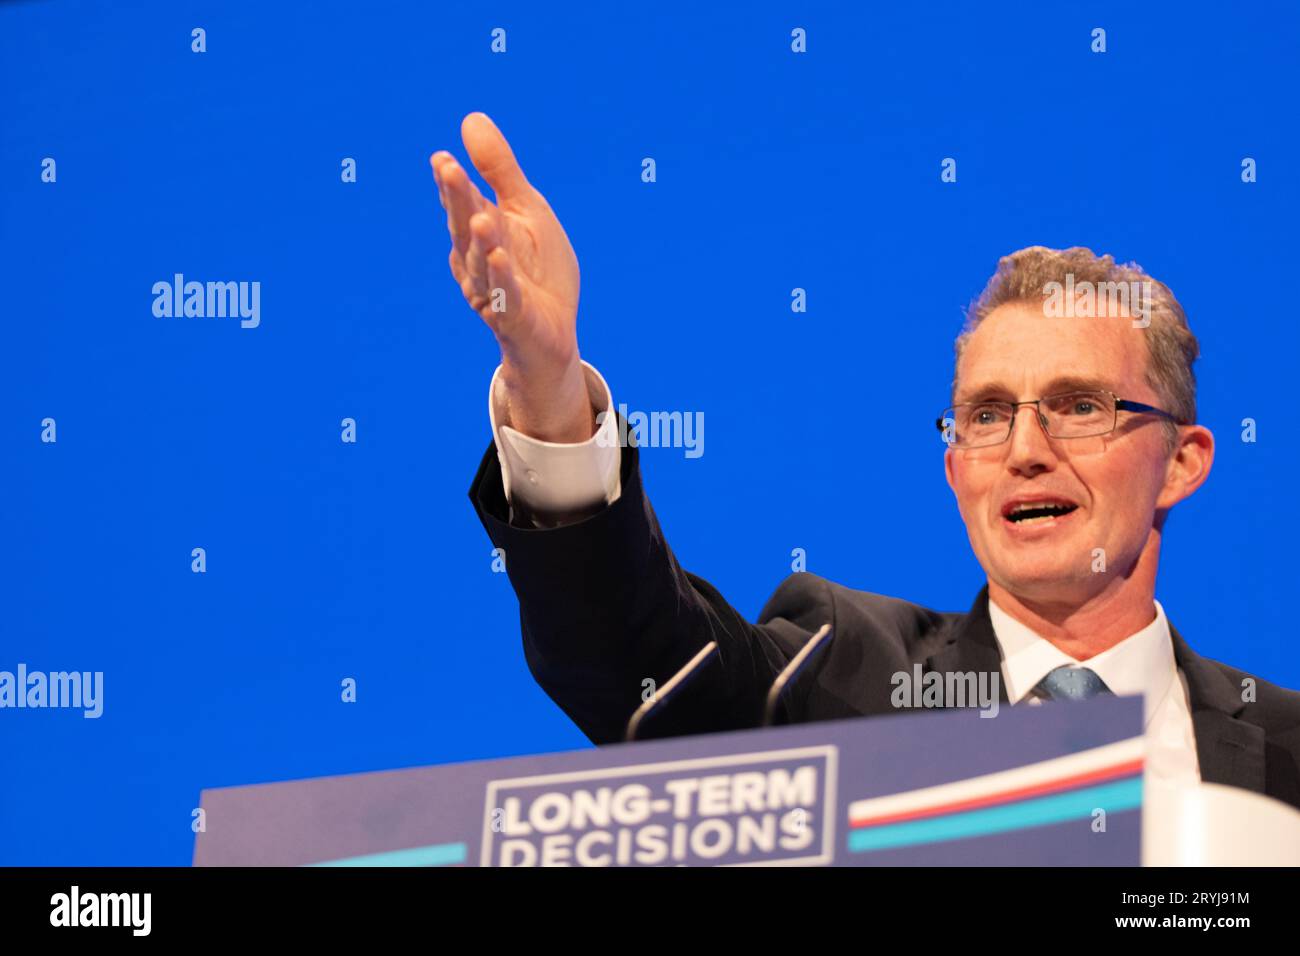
[
  {"x": 989, "y": 387},
  {"x": 1016, "y": 348}
]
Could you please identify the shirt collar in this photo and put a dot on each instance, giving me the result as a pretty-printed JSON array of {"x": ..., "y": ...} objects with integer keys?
[{"x": 1143, "y": 663}]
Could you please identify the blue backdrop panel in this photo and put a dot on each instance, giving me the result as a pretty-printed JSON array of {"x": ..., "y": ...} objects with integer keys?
[{"x": 328, "y": 561}]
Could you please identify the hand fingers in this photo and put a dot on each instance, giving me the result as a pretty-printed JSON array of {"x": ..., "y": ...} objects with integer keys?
[
  {"x": 437, "y": 181},
  {"x": 483, "y": 239},
  {"x": 493, "y": 158},
  {"x": 455, "y": 257},
  {"x": 478, "y": 261},
  {"x": 462, "y": 200},
  {"x": 437, "y": 160},
  {"x": 505, "y": 302},
  {"x": 462, "y": 276},
  {"x": 474, "y": 290}
]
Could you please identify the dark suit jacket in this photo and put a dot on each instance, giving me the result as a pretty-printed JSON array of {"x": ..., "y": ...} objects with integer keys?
[{"x": 604, "y": 606}]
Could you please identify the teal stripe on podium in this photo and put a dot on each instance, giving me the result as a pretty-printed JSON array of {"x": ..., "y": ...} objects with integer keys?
[
  {"x": 1041, "y": 811},
  {"x": 442, "y": 854}
]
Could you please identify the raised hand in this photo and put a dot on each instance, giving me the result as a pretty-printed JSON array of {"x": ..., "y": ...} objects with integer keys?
[{"x": 518, "y": 271}]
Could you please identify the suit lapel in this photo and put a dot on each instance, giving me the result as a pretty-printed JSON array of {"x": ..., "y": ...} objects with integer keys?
[
  {"x": 971, "y": 647},
  {"x": 1230, "y": 750}
]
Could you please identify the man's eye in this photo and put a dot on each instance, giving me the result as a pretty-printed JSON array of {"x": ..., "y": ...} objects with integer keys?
[
  {"x": 987, "y": 415},
  {"x": 1082, "y": 405}
]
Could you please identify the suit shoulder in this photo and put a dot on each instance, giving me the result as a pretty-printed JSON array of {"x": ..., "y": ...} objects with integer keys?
[
  {"x": 801, "y": 592},
  {"x": 1279, "y": 707}
]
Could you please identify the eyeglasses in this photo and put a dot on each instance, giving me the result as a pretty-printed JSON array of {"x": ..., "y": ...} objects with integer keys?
[{"x": 1069, "y": 415}]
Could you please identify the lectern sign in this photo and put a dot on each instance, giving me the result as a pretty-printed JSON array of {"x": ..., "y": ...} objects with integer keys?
[
  {"x": 1059, "y": 783},
  {"x": 764, "y": 807}
]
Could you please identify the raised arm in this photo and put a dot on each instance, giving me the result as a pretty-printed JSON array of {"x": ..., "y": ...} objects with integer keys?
[{"x": 606, "y": 612}]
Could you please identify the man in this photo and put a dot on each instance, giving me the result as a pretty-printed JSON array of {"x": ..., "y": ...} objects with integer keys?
[{"x": 1070, "y": 437}]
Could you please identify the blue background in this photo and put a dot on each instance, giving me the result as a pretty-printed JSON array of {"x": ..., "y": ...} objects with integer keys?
[{"x": 821, "y": 171}]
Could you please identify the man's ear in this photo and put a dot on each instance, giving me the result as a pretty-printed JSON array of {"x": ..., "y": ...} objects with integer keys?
[
  {"x": 1188, "y": 466},
  {"x": 947, "y": 468}
]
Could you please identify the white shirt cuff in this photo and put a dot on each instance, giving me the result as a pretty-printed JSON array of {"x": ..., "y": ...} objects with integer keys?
[{"x": 553, "y": 481}]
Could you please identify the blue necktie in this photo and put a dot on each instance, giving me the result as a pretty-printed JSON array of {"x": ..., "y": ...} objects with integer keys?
[{"x": 1072, "y": 683}]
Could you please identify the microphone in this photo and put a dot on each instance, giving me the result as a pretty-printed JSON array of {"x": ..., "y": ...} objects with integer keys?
[
  {"x": 670, "y": 689},
  {"x": 815, "y": 646}
]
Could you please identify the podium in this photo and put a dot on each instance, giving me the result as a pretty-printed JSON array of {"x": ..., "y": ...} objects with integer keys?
[
  {"x": 1059, "y": 784},
  {"x": 1209, "y": 824}
]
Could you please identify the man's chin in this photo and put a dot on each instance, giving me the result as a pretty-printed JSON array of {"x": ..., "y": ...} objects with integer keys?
[{"x": 1043, "y": 582}]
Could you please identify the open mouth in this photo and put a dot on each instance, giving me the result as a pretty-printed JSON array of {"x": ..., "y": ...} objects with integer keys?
[{"x": 1033, "y": 512}]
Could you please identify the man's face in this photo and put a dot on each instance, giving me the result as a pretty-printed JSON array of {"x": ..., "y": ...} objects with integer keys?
[{"x": 1116, "y": 482}]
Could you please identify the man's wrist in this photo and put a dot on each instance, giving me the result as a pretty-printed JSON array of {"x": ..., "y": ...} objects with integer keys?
[{"x": 548, "y": 409}]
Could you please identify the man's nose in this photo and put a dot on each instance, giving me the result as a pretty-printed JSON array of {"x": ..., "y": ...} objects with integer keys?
[{"x": 1031, "y": 450}]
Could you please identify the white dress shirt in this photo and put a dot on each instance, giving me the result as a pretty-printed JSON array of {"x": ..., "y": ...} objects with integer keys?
[
  {"x": 553, "y": 482},
  {"x": 1142, "y": 663}
]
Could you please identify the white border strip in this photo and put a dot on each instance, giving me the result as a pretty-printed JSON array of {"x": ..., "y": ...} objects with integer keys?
[{"x": 926, "y": 798}]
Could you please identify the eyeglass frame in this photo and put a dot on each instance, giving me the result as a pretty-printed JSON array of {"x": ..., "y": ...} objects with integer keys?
[{"x": 1121, "y": 405}]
